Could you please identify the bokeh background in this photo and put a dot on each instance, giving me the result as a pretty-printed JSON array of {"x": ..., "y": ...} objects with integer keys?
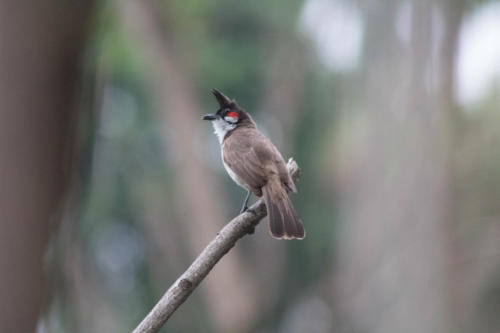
[{"x": 112, "y": 184}]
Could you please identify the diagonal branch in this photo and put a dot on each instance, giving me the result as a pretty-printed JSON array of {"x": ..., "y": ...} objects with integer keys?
[{"x": 180, "y": 290}]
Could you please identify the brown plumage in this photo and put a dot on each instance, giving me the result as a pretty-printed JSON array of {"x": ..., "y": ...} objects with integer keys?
[{"x": 253, "y": 162}]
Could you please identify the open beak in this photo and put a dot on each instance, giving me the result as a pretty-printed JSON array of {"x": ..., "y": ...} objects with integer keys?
[{"x": 209, "y": 117}]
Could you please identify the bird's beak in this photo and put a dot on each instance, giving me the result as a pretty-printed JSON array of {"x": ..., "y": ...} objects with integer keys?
[{"x": 209, "y": 117}]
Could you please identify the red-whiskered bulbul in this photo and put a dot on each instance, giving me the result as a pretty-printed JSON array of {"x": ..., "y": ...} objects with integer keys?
[{"x": 255, "y": 164}]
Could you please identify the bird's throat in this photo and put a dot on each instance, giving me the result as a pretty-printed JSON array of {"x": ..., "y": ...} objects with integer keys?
[{"x": 221, "y": 128}]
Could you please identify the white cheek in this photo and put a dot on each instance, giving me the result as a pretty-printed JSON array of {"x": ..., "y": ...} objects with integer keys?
[{"x": 231, "y": 120}]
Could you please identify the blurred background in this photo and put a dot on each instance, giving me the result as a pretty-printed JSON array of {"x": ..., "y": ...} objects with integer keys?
[{"x": 112, "y": 184}]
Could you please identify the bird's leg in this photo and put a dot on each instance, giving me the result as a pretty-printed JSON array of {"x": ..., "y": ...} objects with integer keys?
[{"x": 245, "y": 203}]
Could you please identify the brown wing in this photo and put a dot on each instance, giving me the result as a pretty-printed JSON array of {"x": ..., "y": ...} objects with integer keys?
[
  {"x": 254, "y": 159},
  {"x": 268, "y": 152},
  {"x": 240, "y": 156}
]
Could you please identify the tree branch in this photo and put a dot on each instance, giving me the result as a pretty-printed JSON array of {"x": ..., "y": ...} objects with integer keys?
[{"x": 180, "y": 290}]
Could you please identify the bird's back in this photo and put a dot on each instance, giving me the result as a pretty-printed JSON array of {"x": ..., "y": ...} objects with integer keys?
[{"x": 255, "y": 158}]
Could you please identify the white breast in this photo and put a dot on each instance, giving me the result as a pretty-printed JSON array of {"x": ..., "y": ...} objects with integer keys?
[
  {"x": 233, "y": 176},
  {"x": 221, "y": 128}
]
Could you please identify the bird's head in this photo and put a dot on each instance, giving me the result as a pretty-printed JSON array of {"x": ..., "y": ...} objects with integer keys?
[{"x": 228, "y": 117}]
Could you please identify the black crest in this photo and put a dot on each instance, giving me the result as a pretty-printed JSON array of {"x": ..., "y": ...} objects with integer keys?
[{"x": 223, "y": 100}]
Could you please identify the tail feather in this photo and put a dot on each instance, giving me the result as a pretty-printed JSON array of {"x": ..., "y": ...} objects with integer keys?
[
  {"x": 276, "y": 225},
  {"x": 283, "y": 220}
]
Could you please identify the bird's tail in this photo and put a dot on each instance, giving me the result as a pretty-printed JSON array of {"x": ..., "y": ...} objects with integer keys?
[{"x": 283, "y": 220}]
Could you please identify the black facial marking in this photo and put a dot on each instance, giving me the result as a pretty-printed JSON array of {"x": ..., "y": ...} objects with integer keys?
[{"x": 223, "y": 112}]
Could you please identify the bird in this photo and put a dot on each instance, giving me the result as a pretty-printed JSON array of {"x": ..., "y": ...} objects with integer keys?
[{"x": 254, "y": 163}]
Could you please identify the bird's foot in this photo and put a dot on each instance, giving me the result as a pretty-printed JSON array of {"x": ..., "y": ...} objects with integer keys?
[
  {"x": 246, "y": 209},
  {"x": 250, "y": 210},
  {"x": 243, "y": 209}
]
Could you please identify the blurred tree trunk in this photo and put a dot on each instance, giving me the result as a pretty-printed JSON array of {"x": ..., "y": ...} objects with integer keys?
[
  {"x": 40, "y": 48},
  {"x": 393, "y": 240},
  {"x": 453, "y": 11}
]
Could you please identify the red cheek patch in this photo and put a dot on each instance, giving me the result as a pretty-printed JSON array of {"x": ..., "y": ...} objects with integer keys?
[{"x": 232, "y": 114}]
